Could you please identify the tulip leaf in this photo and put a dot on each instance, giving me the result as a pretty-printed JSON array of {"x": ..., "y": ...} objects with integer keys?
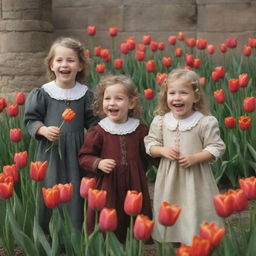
[
  {"x": 96, "y": 244},
  {"x": 115, "y": 247},
  {"x": 252, "y": 151}
]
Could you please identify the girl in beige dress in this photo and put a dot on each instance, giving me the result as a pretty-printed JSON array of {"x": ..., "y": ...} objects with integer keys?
[{"x": 187, "y": 139}]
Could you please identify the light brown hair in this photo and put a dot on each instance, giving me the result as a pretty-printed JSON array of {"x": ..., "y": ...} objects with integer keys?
[{"x": 75, "y": 46}]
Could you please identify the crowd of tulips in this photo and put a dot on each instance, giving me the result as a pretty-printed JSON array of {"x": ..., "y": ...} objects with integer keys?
[{"x": 229, "y": 87}]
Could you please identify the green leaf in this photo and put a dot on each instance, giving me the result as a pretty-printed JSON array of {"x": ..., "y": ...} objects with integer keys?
[
  {"x": 96, "y": 244},
  {"x": 115, "y": 247},
  {"x": 252, "y": 151}
]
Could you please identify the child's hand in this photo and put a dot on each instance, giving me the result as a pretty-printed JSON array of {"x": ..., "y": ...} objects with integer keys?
[
  {"x": 52, "y": 133},
  {"x": 187, "y": 161},
  {"x": 171, "y": 153},
  {"x": 107, "y": 165}
]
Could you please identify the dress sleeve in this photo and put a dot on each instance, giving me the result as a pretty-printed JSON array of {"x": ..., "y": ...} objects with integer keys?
[
  {"x": 90, "y": 152},
  {"x": 155, "y": 135},
  {"x": 90, "y": 119},
  {"x": 212, "y": 141},
  {"x": 35, "y": 110}
]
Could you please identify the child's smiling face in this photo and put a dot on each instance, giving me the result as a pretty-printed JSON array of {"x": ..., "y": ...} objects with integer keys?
[{"x": 116, "y": 103}]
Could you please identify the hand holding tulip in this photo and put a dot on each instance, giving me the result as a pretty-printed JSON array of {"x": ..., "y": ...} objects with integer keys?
[
  {"x": 52, "y": 133},
  {"x": 107, "y": 165}
]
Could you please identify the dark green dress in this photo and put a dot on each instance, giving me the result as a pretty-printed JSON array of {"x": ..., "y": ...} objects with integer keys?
[{"x": 44, "y": 106}]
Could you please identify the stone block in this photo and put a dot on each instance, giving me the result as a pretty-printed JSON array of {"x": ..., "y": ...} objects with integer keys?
[
  {"x": 15, "y": 5},
  {"x": 222, "y": 1},
  {"x": 78, "y": 3}
]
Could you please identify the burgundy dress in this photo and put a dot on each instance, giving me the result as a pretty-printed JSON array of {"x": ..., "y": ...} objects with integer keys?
[{"x": 126, "y": 147}]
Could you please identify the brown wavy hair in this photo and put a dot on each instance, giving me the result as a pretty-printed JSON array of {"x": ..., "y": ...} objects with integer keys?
[
  {"x": 130, "y": 89},
  {"x": 75, "y": 45},
  {"x": 186, "y": 77}
]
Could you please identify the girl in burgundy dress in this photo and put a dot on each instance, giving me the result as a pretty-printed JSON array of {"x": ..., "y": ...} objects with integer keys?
[{"x": 114, "y": 149}]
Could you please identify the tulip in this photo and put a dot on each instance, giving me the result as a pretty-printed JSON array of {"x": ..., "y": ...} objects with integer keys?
[
  {"x": 141, "y": 47},
  {"x": 150, "y": 66},
  {"x": 231, "y": 42},
  {"x": 108, "y": 220},
  {"x": 245, "y": 122},
  {"x": 86, "y": 184},
  {"x": 143, "y": 227},
  {"x": 51, "y": 196},
  {"x": 66, "y": 192},
  {"x": 249, "y": 104},
  {"x": 223, "y": 204},
  {"x": 12, "y": 109},
  {"x": 140, "y": 55},
  {"x": 196, "y": 63},
  {"x": 133, "y": 202},
  {"x": 200, "y": 247},
  {"x": 118, "y": 63},
  {"x": 223, "y": 48},
  {"x": 2, "y": 104},
  {"x": 172, "y": 40},
  {"x": 183, "y": 250},
  {"x": 181, "y": 36},
  {"x": 21, "y": 159},
  {"x": 190, "y": 41},
  {"x": 160, "y": 78},
  {"x": 91, "y": 30},
  {"x": 167, "y": 62},
  {"x": 248, "y": 185},
  {"x": 215, "y": 76},
  {"x": 202, "y": 80},
  {"x": 20, "y": 98},
  {"x": 104, "y": 53},
  {"x": 247, "y": 50},
  {"x": 230, "y": 122},
  {"x": 124, "y": 48},
  {"x": 100, "y": 68},
  {"x": 131, "y": 44},
  {"x": 233, "y": 85},
  {"x": 219, "y": 96},
  {"x": 6, "y": 190},
  {"x": 201, "y": 43},
  {"x": 11, "y": 170},
  {"x": 252, "y": 42},
  {"x": 15, "y": 135},
  {"x": 210, "y": 49},
  {"x": 189, "y": 59},
  {"x": 187, "y": 68},
  {"x": 212, "y": 232},
  {"x": 240, "y": 200},
  {"x": 146, "y": 39},
  {"x": 168, "y": 214},
  {"x": 112, "y": 31},
  {"x": 5, "y": 178},
  {"x": 68, "y": 115},
  {"x": 97, "y": 51},
  {"x": 161, "y": 46},
  {"x": 97, "y": 199},
  {"x": 243, "y": 80},
  {"x": 178, "y": 52},
  {"x": 38, "y": 170},
  {"x": 148, "y": 94},
  {"x": 221, "y": 71},
  {"x": 153, "y": 46}
]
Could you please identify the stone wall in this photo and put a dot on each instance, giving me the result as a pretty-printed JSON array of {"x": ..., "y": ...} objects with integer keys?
[{"x": 27, "y": 27}]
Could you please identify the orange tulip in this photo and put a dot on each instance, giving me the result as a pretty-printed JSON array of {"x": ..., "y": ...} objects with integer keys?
[
  {"x": 11, "y": 170},
  {"x": 160, "y": 78},
  {"x": 133, "y": 202},
  {"x": 199, "y": 247},
  {"x": 97, "y": 51},
  {"x": 100, "y": 68},
  {"x": 183, "y": 250},
  {"x": 230, "y": 122},
  {"x": 150, "y": 66},
  {"x": 51, "y": 196},
  {"x": 118, "y": 63},
  {"x": 178, "y": 52},
  {"x": 15, "y": 135},
  {"x": 5, "y": 178},
  {"x": 223, "y": 204},
  {"x": 233, "y": 85},
  {"x": 20, "y": 98},
  {"x": 108, "y": 219},
  {"x": 168, "y": 214},
  {"x": 245, "y": 122},
  {"x": 6, "y": 190},
  {"x": 212, "y": 232},
  {"x": 68, "y": 115},
  {"x": 172, "y": 40},
  {"x": 12, "y": 109},
  {"x": 2, "y": 104},
  {"x": 91, "y": 30},
  {"x": 219, "y": 96},
  {"x": 143, "y": 227},
  {"x": 21, "y": 159},
  {"x": 248, "y": 185},
  {"x": 97, "y": 199},
  {"x": 66, "y": 192},
  {"x": 249, "y": 104},
  {"x": 240, "y": 202},
  {"x": 243, "y": 80},
  {"x": 112, "y": 31},
  {"x": 38, "y": 170},
  {"x": 148, "y": 94},
  {"x": 167, "y": 62}
]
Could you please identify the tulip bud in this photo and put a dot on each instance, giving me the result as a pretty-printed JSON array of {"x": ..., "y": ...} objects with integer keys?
[
  {"x": 2, "y": 104},
  {"x": 108, "y": 219},
  {"x": 38, "y": 170},
  {"x": 97, "y": 199},
  {"x": 148, "y": 94},
  {"x": 133, "y": 202},
  {"x": 245, "y": 122},
  {"x": 230, "y": 122},
  {"x": 86, "y": 184},
  {"x": 20, "y": 98},
  {"x": 21, "y": 159},
  {"x": 91, "y": 30},
  {"x": 6, "y": 190},
  {"x": 15, "y": 135},
  {"x": 66, "y": 192},
  {"x": 143, "y": 227},
  {"x": 113, "y": 31},
  {"x": 168, "y": 214},
  {"x": 51, "y": 196},
  {"x": 11, "y": 170},
  {"x": 249, "y": 104},
  {"x": 12, "y": 109}
]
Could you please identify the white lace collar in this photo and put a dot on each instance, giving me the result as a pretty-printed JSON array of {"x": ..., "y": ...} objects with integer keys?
[
  {"x": 185, "y": 124},
  {"x": 55, "y": 92},
  {"x": 119, "y": 129}
]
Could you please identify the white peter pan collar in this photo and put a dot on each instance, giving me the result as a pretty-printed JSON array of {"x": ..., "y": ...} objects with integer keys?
[
  {"x": 184, "y": 124},
  {"x": 55, "y": 92},
  {"x": 119, "y": 129}
]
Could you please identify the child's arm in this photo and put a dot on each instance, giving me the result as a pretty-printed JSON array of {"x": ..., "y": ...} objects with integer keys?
[
  {"x": 107, "y": 165},
  {"x": 189, "y": 160},
  {"x": 171, "y": 153},
  {"x": 52, "y": 133}
]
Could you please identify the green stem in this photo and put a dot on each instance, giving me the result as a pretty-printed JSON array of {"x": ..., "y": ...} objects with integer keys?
[
  {"x": 140, "y": 248},
  {"x": 131, "y": 235},
  {"x": 85, "y": 222},
  {"x": 107, "y": 244}
]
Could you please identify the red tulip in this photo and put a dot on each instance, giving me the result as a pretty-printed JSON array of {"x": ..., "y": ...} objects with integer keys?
[
  {"x": 150, "y": 66},
  {"x": 223, "y": 204},
  {"x": 11, "y": 170},
  {"x": 167, "y": 62},
  {"x": 212, "y": 232},
  {"x": 6, "y": 190},
  {"x": 140, "y": 55},
  {"x": 86, "y": 184},
  {"x": 183, "y": 250},
  {"x": 20, "y": 98},
  {"x": 146, "y": 39},
  {"x": 215, "y": 76},
  {"x": 196, "y": 63},
  {"x": 112, "y": 31},
  {"x": 243, "y": 80},
  {"x": 248, "y": 185},
  {"x": 97, "y": 199},
  {"x": 104, "y": 53},
  {"x": 219, "y": 96},
  {"x": 21, "y": 159},
  {"x": 240, "y": 200},
  {"x": 12, "y": 109},
  {"x": 51, "y": 196},
  {"x": 221, "y": 71},
  {"x": 230, "y": 122},
  {"x": 100, "y": 68},
  {"x": 181, "y": 36},
  {"x": 252, "y": 42},
  {"x": 199, "y": 247},
  {"x": 124, "y": 48},
  {"x": 38, "y": 170},
  {"x": 245, "y": 122},
  {"x": 190, "y": 41},
  {"x": 233, "y": 85},
  {"x": 210, "y": 49},
  {"x": 108, "y": 219},
  {"x": 161, "y": 46},
  {"x": 97, "y": 51},
  {"x": 201, "y": 43},
  {"x": 66, "y": 192},
  {"x": 118, "y": 63},
  {"x": 91, "y": 30},
  {"x": 249, "y": 104},
  {"x": 2, "y": 104},
  {"x": 131, "y": 44},
  {"x": 133, "y": 202},
  {"x": 223, "y": 48},
  {"x": 153, "y": 46},
  {"x": 68, "y": 115},
  {"x": 143, "y": 227},
  {"x": 5, "y": 178},
  {"x": 148, "y": 94},
  {"x": 15, "y": 135},
  {"x": 247, "y": 50},
  {"x": 168, "y": 214},
  {"x": 160, "y": 78},
  {"x": 202, "y": 80},
  {"x": 178, "y": 52},
  {"x": 172, "y": 40},
  {"x": 231, "y": 42},
  {"x": 189, "y": 59},
  {"x": 141, "y": 47}
]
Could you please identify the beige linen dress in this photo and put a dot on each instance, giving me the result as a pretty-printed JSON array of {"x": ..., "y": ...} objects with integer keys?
[{"x": 190, "y": 188}]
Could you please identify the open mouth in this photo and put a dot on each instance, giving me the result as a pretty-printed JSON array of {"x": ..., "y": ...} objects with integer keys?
[
  {"x": 113, "y": 110},
  {"x": 65, "y": 72},
  {"x": 178, "y": 105}
]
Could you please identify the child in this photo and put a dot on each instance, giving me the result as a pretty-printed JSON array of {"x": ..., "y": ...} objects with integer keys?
[
  {"x": 114, "y": 149},
  {"x": 66, "y": 64},
  {"x": 186, "y": 138}
]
